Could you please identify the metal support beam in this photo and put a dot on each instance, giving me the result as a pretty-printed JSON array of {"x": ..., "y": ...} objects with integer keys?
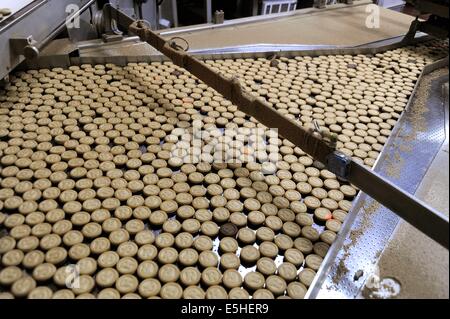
[
  {"x": 209, "y": 13},
  {"x": 255, "y": 7}
]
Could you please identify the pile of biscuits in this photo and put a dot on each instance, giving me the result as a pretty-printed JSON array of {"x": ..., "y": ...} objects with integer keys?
[{"x": 142, "y": 182}]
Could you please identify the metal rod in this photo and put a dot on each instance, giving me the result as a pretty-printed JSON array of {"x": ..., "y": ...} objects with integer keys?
[
  {"x": 175, "y": 13},
  {"x": 208, "y": 11}
]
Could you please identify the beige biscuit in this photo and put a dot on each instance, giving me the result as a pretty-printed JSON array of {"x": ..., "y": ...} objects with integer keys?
[
  {"x": 40, "y": 293},
  {"x": 249, "y": 254},
  {"x": 216, "y": 292},
  {"x": 246, "y": 236},
  {"x": 9, "y": 275},
  {"x": 188, "y": 257},
  {"x": 190, "y": 276},
  {"x": 321, "y": 249},
  {"x": 283, "y": 242},
  {"x": 333, "y": 225},
  {"x": 127, "y": 265},
  {"x": 266, "y": 266},
  {"x": 268, "y": 249},
  {"x": 203, "y": 243},
  {"x": 211, "y": 276},
  {"x": 108, "y": 293},
  {"x": 193, "y": 292},
  {"x": 171, "y": 290},
  {"x": 33, "y": 259},
  {"x": 291, "y": 229},
  {"x": 147, "y": 252},
  {"x": 79, "y": 251},
  {"x": 207, "y": 259},
  {"x": 238, "y": 293},
  {"x": 171, "y": 226},
  {"x": 287, "y": 271},
  {"x": 147, "y": 269},
  {"x": 56, "y": 255},
  {"x": 144, "y": 237},
  {"x": 306, "y": 276},
  {"x": 184, "y": 240},
  {"x": 209, "y": 228},
  {"x": 229, "y": 261},
  {"x": 254, "y": 280},
  {"x": 265, "y": 233},
  {"x": 87, "y": 265},
  {"x": 149, "y": 288},
  {"x": 328, "y": 236},
  {"x": 232, "y": 279},
  {"x": 164, "y": 240},
  {"x": 276, "y": 285},
  {"x": 23, "y": 286},
  {"x": 296, "y": 290},
  {"x": 238, "y": 219},
  {"x": 127, "y": 284},
  {"x": 192, "y": 226},
  {"x": 256, "y": 218},
  {"x": 127, "y": 249},
  {"x": 228, "y": 245}
]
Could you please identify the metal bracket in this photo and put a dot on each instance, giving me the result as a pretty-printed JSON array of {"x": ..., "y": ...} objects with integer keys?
[
  {"x": 339, "y": 164},
  {"x": 25, "y": 46}
]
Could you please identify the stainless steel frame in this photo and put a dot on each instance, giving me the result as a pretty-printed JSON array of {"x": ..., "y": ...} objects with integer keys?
[
  {"x": 141, "y": 52},
  {"x": 41, "y": 19}
]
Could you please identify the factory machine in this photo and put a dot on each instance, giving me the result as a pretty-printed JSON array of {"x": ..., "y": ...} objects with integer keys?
[{"x": 120, "y": 32}]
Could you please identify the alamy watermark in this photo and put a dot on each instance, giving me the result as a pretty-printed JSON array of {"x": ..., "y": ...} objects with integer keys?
[
  {"x": 373, "y": 19},
  {"x": 72, "y": 280},
  {"x": 201, "y": 143},
  {"x": 73, "y": 16}
]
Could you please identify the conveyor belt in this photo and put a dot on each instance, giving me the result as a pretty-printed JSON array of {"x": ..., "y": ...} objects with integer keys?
[
  {"x": 130, "y": 68},
  {"x": 316, "y": 146},
  {"x": 348, "y": 223}
]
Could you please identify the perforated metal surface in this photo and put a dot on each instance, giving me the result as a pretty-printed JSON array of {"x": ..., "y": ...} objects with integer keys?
[{"x": 405, "y": 159}]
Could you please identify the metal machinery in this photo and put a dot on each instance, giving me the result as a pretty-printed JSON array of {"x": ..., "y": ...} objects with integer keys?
[
  {"x": 112, "y": 29},
  {"x": 30, "y": 27},
  {"x": 437, "y": 22}
]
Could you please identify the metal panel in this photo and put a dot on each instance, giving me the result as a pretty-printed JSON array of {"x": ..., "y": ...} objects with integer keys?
[{"x": 142, "y": 52}]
